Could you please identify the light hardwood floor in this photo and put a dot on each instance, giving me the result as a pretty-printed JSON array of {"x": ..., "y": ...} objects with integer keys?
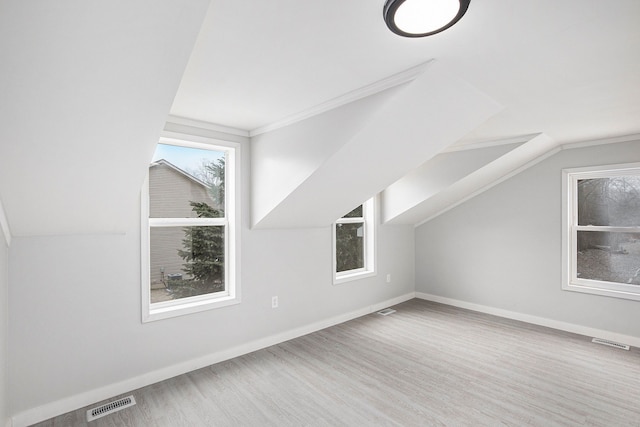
[{"x": 426, "y": 365}]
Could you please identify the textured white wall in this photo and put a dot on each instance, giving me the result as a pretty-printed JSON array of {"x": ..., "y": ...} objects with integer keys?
[
  {"x": 75, "y": 303},
  {"x": 502, "y": 249}
]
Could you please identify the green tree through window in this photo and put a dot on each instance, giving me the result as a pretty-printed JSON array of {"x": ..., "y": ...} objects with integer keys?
[{"x": 354, "y": 252}]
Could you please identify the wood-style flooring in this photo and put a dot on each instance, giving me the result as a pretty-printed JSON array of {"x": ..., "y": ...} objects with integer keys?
[{"x": 427, "y": 364}]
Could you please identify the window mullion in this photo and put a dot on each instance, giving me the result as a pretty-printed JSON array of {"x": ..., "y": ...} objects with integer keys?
[
  {"x": 607, "y": 228},
  {"x": 186, "y": 222},
  {"x": 356, "y": 220}
]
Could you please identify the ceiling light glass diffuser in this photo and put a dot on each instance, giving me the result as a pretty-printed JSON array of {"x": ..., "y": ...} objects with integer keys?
[{"x": 421, "y": 18}]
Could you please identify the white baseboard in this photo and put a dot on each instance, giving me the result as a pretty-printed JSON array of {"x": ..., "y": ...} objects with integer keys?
[
  {"x": 535, "y": 320},
  {"x": 72, "y": 403}
]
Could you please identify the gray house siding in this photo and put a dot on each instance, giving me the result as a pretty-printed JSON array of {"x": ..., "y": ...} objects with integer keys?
[{"x": 170, "y": 192}]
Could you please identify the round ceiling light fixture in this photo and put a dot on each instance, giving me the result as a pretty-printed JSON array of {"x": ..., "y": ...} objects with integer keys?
[{"x": 421, "y": 18}]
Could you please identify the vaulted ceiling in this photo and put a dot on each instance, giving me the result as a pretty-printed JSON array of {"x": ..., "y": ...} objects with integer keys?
[
  {"x": 321, "y": 87},
  {"x": 551, "y": 72},
  {"x": 569, "y": 68}
]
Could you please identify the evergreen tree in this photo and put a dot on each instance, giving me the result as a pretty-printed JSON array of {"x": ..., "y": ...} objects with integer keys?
[
  {"x": 212, "y": 173},
  {"x": 350, "y": 242},
  {"x": 217, "y": 184},
  {"x": 204, "y": 248},
  {"x": 349, "y": 247}
]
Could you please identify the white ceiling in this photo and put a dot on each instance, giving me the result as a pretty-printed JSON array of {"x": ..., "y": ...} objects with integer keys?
[
  {"x": 568, "y": 68},
  {"x": 86, "y": 85}
]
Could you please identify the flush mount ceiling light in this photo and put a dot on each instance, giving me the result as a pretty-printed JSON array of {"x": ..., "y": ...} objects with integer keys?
[{"x": 421, "y": 18}]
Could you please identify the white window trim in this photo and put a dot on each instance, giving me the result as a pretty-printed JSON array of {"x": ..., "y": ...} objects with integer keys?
[
  {"x": 231, "y": 295},
  {"x": 370, "y": 255},
  {"x": 570, "y": 228}
]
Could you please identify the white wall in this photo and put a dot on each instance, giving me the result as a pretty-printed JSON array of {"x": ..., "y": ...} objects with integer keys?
[
  {"x": 4, "y": 317},
  {"x": 502, "y": 249},
  {"x": 284, "y": 158},
  {"x": 86, "y": 88},
  {"x": 75, "y": 306}
]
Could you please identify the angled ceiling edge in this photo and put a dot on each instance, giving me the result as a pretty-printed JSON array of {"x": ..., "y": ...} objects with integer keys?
[
  {"x": 482, "y": 179},
  {"x": 436, "y": 175},
  {"x": 4, "y": 225},
  {"x": 422, "y": 118}
]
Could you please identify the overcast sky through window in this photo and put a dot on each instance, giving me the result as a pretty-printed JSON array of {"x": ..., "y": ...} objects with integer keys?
[{"x": 186, "y": 158}]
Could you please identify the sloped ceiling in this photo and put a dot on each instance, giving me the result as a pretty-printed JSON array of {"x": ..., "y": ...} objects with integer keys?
[
  {"x": 453, "y": 177},
  {"x": 404, "y": 128},
  {"x": 86, "y": 87},
  {"x": 568, "y": 71},
  {"x": 436, "y": 175}
]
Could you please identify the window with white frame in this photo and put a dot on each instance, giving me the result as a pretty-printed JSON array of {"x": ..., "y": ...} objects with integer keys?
[
  {"x": 189, "y": 213},
  {"x": 354, "y": 244},
  {"x": 601, "y": 241}
]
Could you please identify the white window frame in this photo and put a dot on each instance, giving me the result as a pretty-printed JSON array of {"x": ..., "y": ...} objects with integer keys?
[
  {"x": 231, "y": 222},
  {"x": 369, "y": 242},
  {"x": 570, "y": 281}
]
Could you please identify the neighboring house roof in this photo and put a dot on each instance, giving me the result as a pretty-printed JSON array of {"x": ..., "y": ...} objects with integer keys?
[{"x": 177, "y": 169}]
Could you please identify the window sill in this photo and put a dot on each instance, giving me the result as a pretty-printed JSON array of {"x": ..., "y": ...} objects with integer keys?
[
  {"x": 351, "y": 276},
  {"x": 595, "y": 290},
  {"x": 188, "y": 307}
]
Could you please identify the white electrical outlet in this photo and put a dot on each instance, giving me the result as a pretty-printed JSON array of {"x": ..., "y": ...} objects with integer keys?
[
  {"x": 274, "y": 302},
  {"x": 388, "y": 278}
]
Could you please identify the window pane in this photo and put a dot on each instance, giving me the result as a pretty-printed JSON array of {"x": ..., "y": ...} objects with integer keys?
[
  {"x": 609, "y": 257},
  {"x": 180, "y": 177},
  {"x": 186, "y": 261},
  {"x": 356, "y": 213},
  {"x": 349, "y": 246},
  {"x": 613, "y": 201}
]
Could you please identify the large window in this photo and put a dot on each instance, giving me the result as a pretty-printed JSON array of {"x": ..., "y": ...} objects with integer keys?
[
  {"x": 601, "y": 243},
  {"x": 189, "y": 213},
  {"x": 354, "y": 244}
]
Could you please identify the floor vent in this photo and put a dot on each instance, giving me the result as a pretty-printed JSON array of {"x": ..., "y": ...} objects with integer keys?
[
  {"x": 110, "y": 408},
  {"x": 386, "y": 311},
  {"x": 610, "y": 343}
]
